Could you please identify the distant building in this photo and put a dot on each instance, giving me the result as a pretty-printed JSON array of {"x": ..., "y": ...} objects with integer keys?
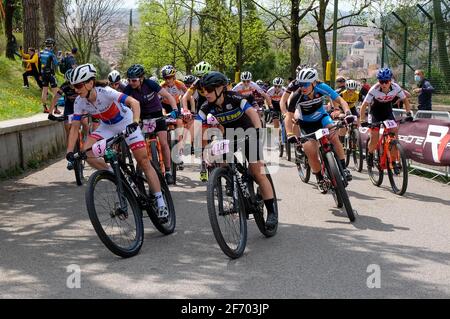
[{"x": 363, "y": 55}]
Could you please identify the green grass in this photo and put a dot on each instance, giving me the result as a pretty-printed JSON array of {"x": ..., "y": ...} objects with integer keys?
[
  {"x": 15, "y": 101},
  {"x": 443, "y": 99}
]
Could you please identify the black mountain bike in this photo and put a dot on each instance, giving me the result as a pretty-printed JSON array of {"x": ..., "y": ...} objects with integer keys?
[
  {"x": 232, "y": 197},
  {"x": 353, "y": 147},
  {"x": 332, "y": 169},
  {"x": 115, "y": 200}
]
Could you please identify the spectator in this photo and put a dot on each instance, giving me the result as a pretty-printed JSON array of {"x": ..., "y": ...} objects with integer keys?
[
  {"x": 424, "y": 90},
  {"x": 48, "y": 65},
  {"x": 32, "y": 67}
]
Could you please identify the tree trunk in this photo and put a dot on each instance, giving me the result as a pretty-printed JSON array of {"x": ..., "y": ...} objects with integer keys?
[
  {"x": 295, "y": 36},
  {"x": 444, "y": 63},
  {"x": 322, "y": 34},
  {"x": 11, "y": 44},
  {"x": 31, "y": 23},
  {"x": 48, "y": 15}
]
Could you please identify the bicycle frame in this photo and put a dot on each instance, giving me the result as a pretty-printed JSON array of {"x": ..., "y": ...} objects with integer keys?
[{"x": 384, "y": 143}]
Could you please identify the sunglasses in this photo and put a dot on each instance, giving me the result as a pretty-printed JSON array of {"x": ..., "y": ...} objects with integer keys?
[
  {"x": 384, "y": 81},
  {"x": 79, "y": 86},
  {"x": 133, "y": 80},
  {"x": 246, "y": 81},
  {"x": 209, "y": 89},
  {"x": 304, "y": 84}
]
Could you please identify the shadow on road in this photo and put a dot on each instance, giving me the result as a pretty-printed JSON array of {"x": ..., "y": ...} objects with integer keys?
[{"x": 299, "y": 262}]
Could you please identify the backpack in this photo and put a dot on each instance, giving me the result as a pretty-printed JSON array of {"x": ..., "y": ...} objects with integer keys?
[{"x": 65, "y": 65}]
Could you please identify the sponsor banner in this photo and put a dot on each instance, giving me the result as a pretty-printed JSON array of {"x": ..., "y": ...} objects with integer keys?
[{"x": 426, "y": 141}]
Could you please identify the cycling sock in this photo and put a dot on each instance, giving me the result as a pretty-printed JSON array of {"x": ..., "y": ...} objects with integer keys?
[
  {"x": 343, "y": 163},
  {"x": 269, "y": 205},
  {"x": 159, "y": 199}
]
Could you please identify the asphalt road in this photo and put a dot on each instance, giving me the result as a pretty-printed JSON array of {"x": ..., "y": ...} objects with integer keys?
[{"x": 44, "y": 228}]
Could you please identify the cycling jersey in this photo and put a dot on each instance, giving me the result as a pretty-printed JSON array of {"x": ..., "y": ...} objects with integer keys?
[
  {"x": 247, "y": 89},
  {"x": 114, "y": 116},
  {"x": 48, "y": 61},
  {"x": 275, "y": 96},
  {"x": 231, "y": 115},
  {"x": 350, "y": 97},
  {"x": 311, "y": 110},
  {"x": 147, "y": 95},
  {"x": 108, "y": 106},
  {"x": 177, "y": 90},
  {"x": 381, "y": 103}
]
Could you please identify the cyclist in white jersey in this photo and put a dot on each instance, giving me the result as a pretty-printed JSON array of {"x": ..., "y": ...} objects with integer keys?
[
  {"x": 110, "y": 107},
  {"x": 250, "y": 89}
]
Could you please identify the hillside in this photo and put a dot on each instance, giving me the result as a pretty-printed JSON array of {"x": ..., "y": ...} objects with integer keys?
[{"x": 16, "y": 101}]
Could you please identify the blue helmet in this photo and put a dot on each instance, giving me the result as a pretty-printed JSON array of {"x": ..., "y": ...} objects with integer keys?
[{"x": 384, "y": 74}]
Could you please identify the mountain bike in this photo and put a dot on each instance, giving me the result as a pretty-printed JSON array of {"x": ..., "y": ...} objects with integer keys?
[
  {"x": 331, "y": 167},
  {"x": 115, "y": 200},
  {"x": 389, "y": 155},
  {"x": 232, "y": 198},
  {"x": 353, "y": 147},
  {"x": 284, "y": 144}
]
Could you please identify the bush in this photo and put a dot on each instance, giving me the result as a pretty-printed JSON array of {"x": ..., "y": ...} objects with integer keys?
[{"x": 438, "y": 81}]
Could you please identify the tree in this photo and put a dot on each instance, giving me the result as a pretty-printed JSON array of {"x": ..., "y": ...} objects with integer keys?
[
  {"x": 84, "y": 24},
  {"x": 48, "y": 16},
  {"x": 31, "y": 23},
  {"x": 444, "y": 62},
  {"x": 324, "y": 24},
  {"x": 11, "y": 41}
]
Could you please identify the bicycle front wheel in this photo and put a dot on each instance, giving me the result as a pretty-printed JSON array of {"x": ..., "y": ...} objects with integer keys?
[
  {"x": 78, "y": 166},
  {"x": 398, "y": 176},
  {"x": 357, "y": 147},
  {"x": 119, "y": 228},
  {"x": 336, "y": 180},
  {"x": 226, "y": 213},
  {"x": 303, "y": 168},
  {"x": 376, "y": 173}
]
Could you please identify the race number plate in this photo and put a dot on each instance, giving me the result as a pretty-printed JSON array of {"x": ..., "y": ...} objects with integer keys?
[
  {"x": 390, "y": 124},
  {"x": 321, "y": 133},
  {"x": 220, "y": 147},
  {"x": 99, "y": 148},
  {"x": 149, "y": 125}
]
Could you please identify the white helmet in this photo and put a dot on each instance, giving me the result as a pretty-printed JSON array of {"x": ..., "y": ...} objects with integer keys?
[
  {"x": 83, "y": 73},
  {"x": 246, "y": 76},
  {"x": 114, "y": 76},
  {"x": 307, "y": 75},
  {"x": 154, "y": 78},
  {"x": 278, "y": 81},
  {"x": 351, "y": 85}
]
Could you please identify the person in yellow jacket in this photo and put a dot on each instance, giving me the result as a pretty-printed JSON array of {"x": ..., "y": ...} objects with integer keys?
[{"x": 32, "y": 69}]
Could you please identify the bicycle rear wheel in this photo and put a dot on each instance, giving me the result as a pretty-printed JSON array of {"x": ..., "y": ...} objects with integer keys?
[
  {"x": 226, "y": 213},
  {"x": 120, "y": 230},
  {"x": 168, "y": 227},
  {"x": 281, "y": 141},
  {"x": 376, "y": 173},
  {"x": 336, "y": 180},
  {"x": 261, "y": 216},
  {"x": 399, "y": 182}
]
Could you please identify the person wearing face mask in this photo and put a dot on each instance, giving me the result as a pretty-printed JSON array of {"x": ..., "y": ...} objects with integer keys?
[{"x": 424, "y": 90}]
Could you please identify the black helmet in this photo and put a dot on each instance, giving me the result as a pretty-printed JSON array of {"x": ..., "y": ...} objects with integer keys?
[
  {"x": 189, "y": 79},
  {"x": 49, "y": 42},
  {"x": 214, "y": 79},
  {"x": 135, "y": 71}
]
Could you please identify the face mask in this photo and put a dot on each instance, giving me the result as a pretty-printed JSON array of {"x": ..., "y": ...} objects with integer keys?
[{"x": 417, "y": 78}]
